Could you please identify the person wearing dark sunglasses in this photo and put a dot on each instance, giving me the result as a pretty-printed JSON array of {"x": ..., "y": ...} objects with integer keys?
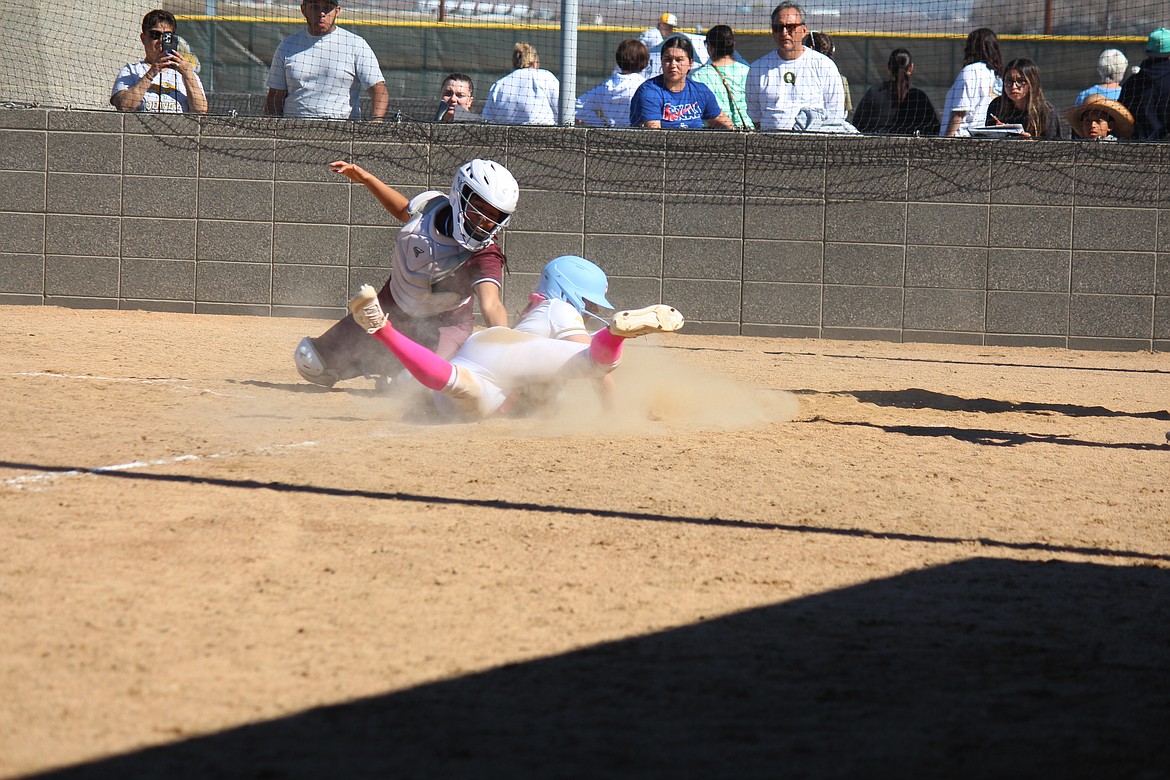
[
  {"x": 793, "y": 77},
  {"x": 165, "y": 80}
]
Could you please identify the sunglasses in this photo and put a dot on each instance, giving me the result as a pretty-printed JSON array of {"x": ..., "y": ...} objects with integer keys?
[
  {"x": 1015, "y": 82},
  {"x": 791, "y": 28},
  {"x": 156, "y": 34}
]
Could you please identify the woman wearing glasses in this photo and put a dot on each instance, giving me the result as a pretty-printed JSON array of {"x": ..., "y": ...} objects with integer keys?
[
  {"x": 1023, "y": 102},
  {"x": 165, "y": 80}
]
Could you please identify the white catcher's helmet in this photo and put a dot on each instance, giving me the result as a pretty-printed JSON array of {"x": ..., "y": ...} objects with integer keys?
[{"x": 496, "y": 186}]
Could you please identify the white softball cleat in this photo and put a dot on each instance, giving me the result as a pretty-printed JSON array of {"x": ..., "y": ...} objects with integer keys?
[
  {"x": 658, "y": 318},
  {"x": 366, "y": 310}
]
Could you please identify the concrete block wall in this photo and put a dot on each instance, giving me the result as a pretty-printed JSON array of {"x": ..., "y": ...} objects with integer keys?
[{"x": 955, "y": 241}]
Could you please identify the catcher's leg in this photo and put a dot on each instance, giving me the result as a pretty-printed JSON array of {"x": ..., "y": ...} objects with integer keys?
[
  {"x": 458, "y": 391},
  {"x": 342, "y": 352},
  {"x": 423, "y": 364}
]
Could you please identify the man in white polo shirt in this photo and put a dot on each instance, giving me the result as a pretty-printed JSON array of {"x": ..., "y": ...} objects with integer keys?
[{"x": 317, "y": 72}]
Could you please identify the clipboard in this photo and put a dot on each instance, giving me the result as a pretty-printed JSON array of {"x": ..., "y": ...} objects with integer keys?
[{"x": 997, "y": 131}]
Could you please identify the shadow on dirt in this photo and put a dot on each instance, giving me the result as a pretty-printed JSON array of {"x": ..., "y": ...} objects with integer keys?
[
  {"x": 957, "y": 362},
  {"x": 917, "y": 398},
  {"x": 984, "y": 668},
  {"x": 559, "y": 509},
  {"x": 307, "y": 388},
  {"x": 993, "y": 438}
]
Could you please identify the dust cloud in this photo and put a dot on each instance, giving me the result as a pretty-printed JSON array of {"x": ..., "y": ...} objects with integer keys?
[{"x": 657, "y": 391}]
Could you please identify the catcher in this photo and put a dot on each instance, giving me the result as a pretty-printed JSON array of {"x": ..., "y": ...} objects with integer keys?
[{"x": 444, "y": 254}]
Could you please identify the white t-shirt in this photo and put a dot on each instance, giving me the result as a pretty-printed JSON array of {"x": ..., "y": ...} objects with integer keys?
[
  {"x": 698, "y": 43},
  {"x": 974, "y": 89},
  {"x": 167, "y": 93},
  {"x": 526, "y": 96},
  {"x": 608, "y": 104},
  {"x": 777, "y": 89},
  {"x": 322, "y": 74},
  {"x": 651, "y": 37}
]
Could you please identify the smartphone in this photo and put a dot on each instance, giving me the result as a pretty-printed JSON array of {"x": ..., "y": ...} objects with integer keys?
[
  {"x": 461, "y": 114},
  {"x": 169, "y": 41}
]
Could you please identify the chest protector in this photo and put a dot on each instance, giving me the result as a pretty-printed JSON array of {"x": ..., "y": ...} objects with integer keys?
[{"x": 424, "y": 257}]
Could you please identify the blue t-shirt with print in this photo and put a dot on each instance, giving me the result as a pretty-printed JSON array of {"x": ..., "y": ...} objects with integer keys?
[{"x": 686, "y": 109}]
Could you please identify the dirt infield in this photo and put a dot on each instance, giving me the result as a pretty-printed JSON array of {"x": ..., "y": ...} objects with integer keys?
[{"x": 782, "y": 558}]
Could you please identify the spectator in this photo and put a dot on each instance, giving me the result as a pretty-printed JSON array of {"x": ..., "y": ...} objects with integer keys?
[
  {"x": 823, "y": 42},
  {"x": 1146, "y": 94},
  {"x": 529, "y": 95},
  {"x": 725, "y": 76},
  {"x": 783, "y": 82},
  {"x": 1100, "y": 119},
  {"x": 608, "y": 104},
  {"x": 894, "y": 106},
  {"x": 1111, "y": 67},
  {"x": 316, "y": 72},
  {"x": 457, "y": 94},
  {"x": 1023, "y": 102},
  {"x": 975, "y": 86},
  {"x": 165, "y": 80},
  {"x": 672, "y": 100},
  {"x": 445, "y": 254},
  {"x": 654, "y": 37}
]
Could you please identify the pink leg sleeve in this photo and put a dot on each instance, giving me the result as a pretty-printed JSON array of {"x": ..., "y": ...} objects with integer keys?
[
  {"x": 605, "y": 349},
  {"x": 424, "y": 365}
]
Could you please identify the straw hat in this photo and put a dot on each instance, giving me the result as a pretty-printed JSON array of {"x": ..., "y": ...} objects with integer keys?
[{"x": 1119, "y": 115}]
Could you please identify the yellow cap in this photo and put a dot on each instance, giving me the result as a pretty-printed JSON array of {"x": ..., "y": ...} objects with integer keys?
[{"x": 670, "y": 19}]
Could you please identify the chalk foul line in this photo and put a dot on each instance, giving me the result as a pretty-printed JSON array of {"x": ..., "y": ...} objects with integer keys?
[
  {"x": 35, "y": 481},
  {"x": 178, "y": 384}
]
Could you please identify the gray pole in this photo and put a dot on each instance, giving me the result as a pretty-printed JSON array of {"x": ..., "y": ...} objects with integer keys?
[
  {"x": 209, "y": 81},
  {"x": 569, "y": 14}
]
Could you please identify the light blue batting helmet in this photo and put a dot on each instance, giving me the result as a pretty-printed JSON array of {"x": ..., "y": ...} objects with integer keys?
[{"x": 575, "y": 280}]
